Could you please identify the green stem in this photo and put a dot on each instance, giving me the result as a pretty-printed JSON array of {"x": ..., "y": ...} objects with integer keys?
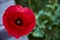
[{"x": 30, "y": 3}]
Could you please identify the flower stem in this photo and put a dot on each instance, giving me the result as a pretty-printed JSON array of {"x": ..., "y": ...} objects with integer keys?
[{"x": 30, "y": 3}]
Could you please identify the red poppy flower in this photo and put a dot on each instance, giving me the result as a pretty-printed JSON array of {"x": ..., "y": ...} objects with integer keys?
[{"x": 18, "y": 21}]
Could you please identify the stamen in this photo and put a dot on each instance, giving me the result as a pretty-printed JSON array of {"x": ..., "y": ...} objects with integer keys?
[{"x": 18, "y": 22}]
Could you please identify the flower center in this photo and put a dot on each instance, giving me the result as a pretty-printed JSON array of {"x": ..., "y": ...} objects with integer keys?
[{"x": 18, "y": 22}]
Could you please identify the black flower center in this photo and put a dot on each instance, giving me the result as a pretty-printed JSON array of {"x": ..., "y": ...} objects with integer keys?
[{"x": 18, "y": 22}]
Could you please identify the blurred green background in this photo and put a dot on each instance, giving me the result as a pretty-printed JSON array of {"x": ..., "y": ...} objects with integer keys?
[{"x": 47, "y": 14}]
